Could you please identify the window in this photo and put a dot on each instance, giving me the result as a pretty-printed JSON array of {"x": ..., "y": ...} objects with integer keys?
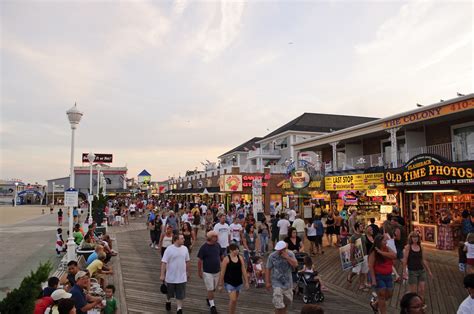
[{"x": 463, "y": 142}]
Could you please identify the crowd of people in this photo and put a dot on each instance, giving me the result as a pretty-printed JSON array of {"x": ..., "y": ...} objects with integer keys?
[{"x": 239, "y": 250}]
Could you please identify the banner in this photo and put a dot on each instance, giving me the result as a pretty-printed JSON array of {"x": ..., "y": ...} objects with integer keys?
[
  {"x": 363, "y": 181},
  {"x": 257, "y": 202},
  {"x": 99, "y": 158},
  {"x": 231, "y": 183},
  {"x": 430, "y": 170}
]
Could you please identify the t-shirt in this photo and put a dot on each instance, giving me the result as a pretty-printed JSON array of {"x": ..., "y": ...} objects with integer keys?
[
  {"x": 95, "y": 266},
  {"x": 311, "y": 230},
  {"x": 298, "y": 224},
  {"x": 291, "y": 215},
  {"x": 223, "y": 230},
  {"x": 79, "y": 298},
  {"x": 184, "y": 217},
  {"x": 275, "y": 229},
  {"x": 281, "y": 270},
  {"x": 283, "y": 224},
  {"x": 467, "y": 306},
  {"x": 91, "y": 258},
  {"x": 175, "y": 259},
  {"x": 318, "y": 225},
  {"x": 470, "y": 250},
  {"x": 110, "y": 306},
  {"x": 77, "y": 237},
  {"x": 132, "y": 208},
  {"x": 235, "y": 231},
  {"x": 293, "y": 246},
  {"x": 211, "y": 257},
  {"x": 42, "y": 304},
  {"x": 48, "y": 291}
]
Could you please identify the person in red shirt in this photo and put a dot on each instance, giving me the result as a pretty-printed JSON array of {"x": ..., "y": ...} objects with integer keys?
[{"x": 380, "y": 265}]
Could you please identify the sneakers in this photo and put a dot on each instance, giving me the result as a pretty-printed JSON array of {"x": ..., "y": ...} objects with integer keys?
[
  {"x": 180, "y": 311},
  {"x": 213, "y": 309},
  {"x": 168, "y": 306}
]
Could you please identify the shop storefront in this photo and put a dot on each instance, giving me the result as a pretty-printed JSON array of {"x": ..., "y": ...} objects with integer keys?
[
  {"x": 364, "y": 191},
  {"x": 435, "y": 193}
]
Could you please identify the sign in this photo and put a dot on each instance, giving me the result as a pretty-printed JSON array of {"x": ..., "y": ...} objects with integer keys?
[
  {"x": 99, "y": 158},
  {"x": 231, "y": 183},
  {"x": 299, "y": 179},
  {"x": 362, "y": 181},
  {"x": 71, "y": 198},
  {"x": 430, "y": 113},
  {"x": 247, "y": 180},
  {"x": 58, "y": 188},
  {"x": 257, "y": 203},
  {"x": 90, "y": 198},
  {"x": 386, "y": 209},
  {"x": 430, "y": 170},
  {"x": 378, "y": 191},
  {"x": 307, "y": 212}
]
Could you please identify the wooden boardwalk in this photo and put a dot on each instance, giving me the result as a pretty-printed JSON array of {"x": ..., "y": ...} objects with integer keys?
[
  {"x": 140, "y": 272},
  {"x": 140, "y": 267}
]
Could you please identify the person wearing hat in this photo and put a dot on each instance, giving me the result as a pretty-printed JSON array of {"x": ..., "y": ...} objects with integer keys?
[
  {"x": 82, "y": 301},
  {"x": 278, "y": 276},
  {"x": 57, "y": 296},
  {"x": 209, "y": 266}
]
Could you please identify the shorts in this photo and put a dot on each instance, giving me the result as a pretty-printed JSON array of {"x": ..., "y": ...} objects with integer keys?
[
  {"x": 223, "y": 251},
  {"x": 362, "y": 267},
  {"x": 470, "y": 261},
  {"x": 416, "y": 276},
  {"x": 300, "y": 235},
  {"x": 210, "y": 281},
  {"x": 282, "y": 297},
  {"x": 176, "y": 290},
  {"x": 282, "y": 237},
  {"x": 384, "y": 281},
  {"x": 319, "y": 240},
  {"x": 230, "y": 288},
  {"x": 196, "y": 226},
  {"x": 337, "y": 230},
  {"x": 312, "y": 238},
  {"x": 118, "y": 218},
  {"x": 275, "y": 238}
]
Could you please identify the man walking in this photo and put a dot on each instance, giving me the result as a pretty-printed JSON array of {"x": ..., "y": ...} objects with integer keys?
[
  {"x": 223, "y": 231},
  {"x": 278, "y": 276},
  {"x": 175, "y": 272},
  {"x": 209, "y": 266},
  {"x": 283, "y": 224}
]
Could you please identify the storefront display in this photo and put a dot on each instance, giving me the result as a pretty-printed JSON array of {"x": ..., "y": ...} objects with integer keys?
[{"x": 430, "y": 186}]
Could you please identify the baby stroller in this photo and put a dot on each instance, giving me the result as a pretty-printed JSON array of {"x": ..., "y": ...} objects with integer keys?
[
  {"x": 255, "y": 274},
  {"x": 310, "y": 287}
]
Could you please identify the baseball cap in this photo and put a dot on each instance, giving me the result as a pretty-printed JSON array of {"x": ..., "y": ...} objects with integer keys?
[
  {"x": 280, "y": 245},
  {"x": 60, "y": 294},
  {"x": 80, "y": 274}
]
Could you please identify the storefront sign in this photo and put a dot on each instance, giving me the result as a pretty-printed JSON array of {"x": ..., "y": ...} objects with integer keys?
[
  {"x": 99, "y": 158},
  {"x": 430, "y": 113},
  {"x": 379, "y": 191},
  {"x": 231, "y": 183},
  {"x": 247, "y": 180},
  {"x": 300, "y": 179},
  {"x": 363, "y": 181},
  {"x": 430, "y": 170}
]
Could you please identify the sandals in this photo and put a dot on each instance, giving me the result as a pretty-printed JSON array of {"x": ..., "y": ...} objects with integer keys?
[{"x": 349, "y": 279}]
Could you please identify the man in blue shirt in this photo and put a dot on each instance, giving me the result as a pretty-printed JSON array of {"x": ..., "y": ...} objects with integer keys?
[
  {"x": 318, "y": 225},
  {"x": 82, "y": 301},
  {"x": 98, "y": 249}
]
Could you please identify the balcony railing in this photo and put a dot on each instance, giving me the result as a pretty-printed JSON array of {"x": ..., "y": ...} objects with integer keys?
[
  {"x": 259, "y": 152},
  {"x": 361, "y": 162}
]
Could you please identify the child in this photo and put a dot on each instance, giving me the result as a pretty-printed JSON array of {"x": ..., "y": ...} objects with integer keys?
[
  {"x": 111, "y": 303},
  {"x": 60, "y": 217},
  {"x": 259, "y": 271},
  {"x": 469, "y": 249},
  {"x": 59, "y": 242},
  {"x": 344, "y": 233},
  {"x": 309, "y": 268},
  {"x": 53, "y": 283},
  {"x": 462, "y": 257}
]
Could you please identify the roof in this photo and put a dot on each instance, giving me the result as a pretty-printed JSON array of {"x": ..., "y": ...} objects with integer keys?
[
  {"x": 240, "y": 148},
  {"x": 144, "y": 173},
  {"x": 320, "y": 122}
]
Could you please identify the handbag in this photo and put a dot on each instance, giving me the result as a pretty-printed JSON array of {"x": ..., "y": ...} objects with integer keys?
[{"x": 164, "y": 288}]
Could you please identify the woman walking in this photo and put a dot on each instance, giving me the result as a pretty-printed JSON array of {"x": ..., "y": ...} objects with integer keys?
[
  {"x": 188, "y": 235},
  {"x": 380, "y": 266},
  {"x": 330, "y": 227},
  {"x": 311, "y": 235},
  {"x": 233, "y": 276},
  {"x": 166, "y": 239},
  {"x": 415, "y": 261},
  {"x": 250, "y": 242},
  {"x": 295, "y": 243},
  {"x": 337, "y": 227},
  {"x": 264, "y": 232}
]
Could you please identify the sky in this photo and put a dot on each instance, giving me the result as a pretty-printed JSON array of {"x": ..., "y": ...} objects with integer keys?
[{"x": 165, "y": 85}]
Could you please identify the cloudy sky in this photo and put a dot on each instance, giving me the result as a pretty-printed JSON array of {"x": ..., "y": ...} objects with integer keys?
[{"x": 166, "y": 84}]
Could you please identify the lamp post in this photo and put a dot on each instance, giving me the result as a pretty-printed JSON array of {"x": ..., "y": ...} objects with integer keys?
[
  {"x": 53, "y": 192},
  {"x": 98, "y": 180},
  {"x": 91, "y": 158},
  {"x": 74, "y": 117},
  {"x": 104, "y": 184},
  {"x": 16, "y": 193}
]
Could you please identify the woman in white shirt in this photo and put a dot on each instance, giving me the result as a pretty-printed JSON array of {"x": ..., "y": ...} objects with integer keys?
[{"x": 311, "y": 235}]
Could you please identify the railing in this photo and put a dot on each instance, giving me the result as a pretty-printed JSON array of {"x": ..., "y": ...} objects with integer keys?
[
  {"x": 362, "y": 162},
  {"x": 277, "y": 169},
  {"x": 263, "y": 152},
  {"x": 444, "y": 150}
]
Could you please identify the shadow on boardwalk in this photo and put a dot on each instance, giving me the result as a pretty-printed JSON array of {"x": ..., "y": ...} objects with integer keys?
[{"x": 140, "y": 267}]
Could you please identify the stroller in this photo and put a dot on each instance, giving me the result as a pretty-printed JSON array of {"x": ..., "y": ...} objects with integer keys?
[
  {"x": 310, "y": 287},
  {"x": 254, "y": 278}
]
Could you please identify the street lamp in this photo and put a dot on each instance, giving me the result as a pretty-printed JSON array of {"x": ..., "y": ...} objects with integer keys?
[
  {"x": 54, "y": 183},
  {"x": 98, "y": 180},
  {"x": 74, "y": 117},
  {"x": 91, "y": 158},
  {"x": 103, "y": 182},
  {"x": 16, "y": 193}
]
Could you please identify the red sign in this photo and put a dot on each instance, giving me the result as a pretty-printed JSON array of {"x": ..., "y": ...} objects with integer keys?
[{"x": 248, "y": 180}]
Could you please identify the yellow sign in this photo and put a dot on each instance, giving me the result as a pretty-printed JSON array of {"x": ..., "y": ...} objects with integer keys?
[
  {"x": 363, "y": 181},
  {"x": 378, "y": 191},
  {"x": 430, "y": 113},
  {"x": 315, "y": 184}
]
